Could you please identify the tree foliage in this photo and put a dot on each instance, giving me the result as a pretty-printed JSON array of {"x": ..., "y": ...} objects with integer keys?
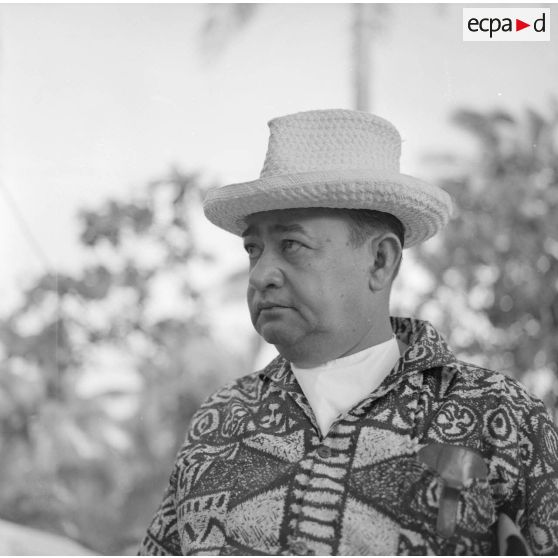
[
  {"x": 91, "y": 463},
  {"x": 495, "y": 267}
]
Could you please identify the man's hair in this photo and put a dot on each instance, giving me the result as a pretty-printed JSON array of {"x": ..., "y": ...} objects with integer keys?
[{"x": 363, "y": 223}]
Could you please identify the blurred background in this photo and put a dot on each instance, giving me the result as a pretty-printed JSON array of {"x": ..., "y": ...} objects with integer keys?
[{"x": 121, "y": 308}]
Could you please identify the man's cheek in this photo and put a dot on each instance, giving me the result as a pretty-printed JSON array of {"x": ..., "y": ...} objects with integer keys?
[{"x": 251, "y": 305}]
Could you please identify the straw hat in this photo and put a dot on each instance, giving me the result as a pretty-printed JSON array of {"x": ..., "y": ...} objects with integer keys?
[{"x": 337, "y": 159}]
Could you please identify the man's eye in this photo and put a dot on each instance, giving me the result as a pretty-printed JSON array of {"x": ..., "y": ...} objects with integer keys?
[
  {"x": 291, "y": 245},
  {"x": 252, "y": 249}
]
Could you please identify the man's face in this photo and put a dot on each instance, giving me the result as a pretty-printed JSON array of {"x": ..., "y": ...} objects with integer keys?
[{"x": 308, "y": 290}]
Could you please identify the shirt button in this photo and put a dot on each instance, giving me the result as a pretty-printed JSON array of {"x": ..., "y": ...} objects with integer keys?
[
  {"x": 324, "y": 452},
  {"x": 300, "y": 548}
]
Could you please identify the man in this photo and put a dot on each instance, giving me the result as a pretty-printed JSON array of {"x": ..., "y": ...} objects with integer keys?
[{"x": 365, "y": 436}]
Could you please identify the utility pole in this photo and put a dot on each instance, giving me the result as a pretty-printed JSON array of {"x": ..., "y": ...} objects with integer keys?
[{"x": 366, "y": 22}]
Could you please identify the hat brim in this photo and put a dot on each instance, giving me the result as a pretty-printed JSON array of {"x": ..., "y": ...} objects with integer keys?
[{"x": 422, "y": 208}]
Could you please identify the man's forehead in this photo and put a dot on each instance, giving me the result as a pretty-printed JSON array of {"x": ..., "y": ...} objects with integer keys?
[{"x": 288, "y": 220}]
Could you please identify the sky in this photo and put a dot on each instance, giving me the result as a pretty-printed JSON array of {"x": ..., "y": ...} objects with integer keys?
[{"x": 97, "y": 99}]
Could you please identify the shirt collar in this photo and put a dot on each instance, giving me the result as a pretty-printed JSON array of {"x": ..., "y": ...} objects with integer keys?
[{"x": 426, "y": 349}]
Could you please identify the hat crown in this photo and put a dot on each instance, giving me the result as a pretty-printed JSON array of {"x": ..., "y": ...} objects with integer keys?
[{"x": 334, "y": 139}]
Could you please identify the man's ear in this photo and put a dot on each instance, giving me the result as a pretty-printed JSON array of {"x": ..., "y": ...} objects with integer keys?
[{"x": 386, "y": 252}]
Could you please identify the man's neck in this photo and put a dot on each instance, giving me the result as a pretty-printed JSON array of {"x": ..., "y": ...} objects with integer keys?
[{"x": 326, "y": 350}]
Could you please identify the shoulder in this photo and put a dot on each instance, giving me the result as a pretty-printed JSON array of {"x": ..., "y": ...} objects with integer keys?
[
  {"x": 476, "y": 382},
  {"x": 249, "y": 387},
  {"x": 500, "y": 405},
  {"x": 230, "y": 411}
]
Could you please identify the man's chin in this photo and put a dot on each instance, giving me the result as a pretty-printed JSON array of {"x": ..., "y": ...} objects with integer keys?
[{"x": 277, "y": 334}]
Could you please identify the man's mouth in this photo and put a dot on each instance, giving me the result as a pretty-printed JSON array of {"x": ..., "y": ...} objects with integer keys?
[{"x": 263, "y": 306}]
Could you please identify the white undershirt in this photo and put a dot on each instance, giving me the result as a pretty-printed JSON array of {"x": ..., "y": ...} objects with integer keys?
[{"x": 337, "y": 386}]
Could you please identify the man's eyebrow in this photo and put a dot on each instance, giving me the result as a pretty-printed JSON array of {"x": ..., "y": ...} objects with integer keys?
[
  {"x": 279, "y": 228},
  {"x": 295, "y": 227},
  {"x": 249, "y": 231}
]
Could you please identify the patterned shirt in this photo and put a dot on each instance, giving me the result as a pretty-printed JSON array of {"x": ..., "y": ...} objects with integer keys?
[{"x": 423, "y": 465}]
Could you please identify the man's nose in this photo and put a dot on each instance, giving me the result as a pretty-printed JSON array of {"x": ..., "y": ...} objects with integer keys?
[{"x": 266, "y": 273}]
